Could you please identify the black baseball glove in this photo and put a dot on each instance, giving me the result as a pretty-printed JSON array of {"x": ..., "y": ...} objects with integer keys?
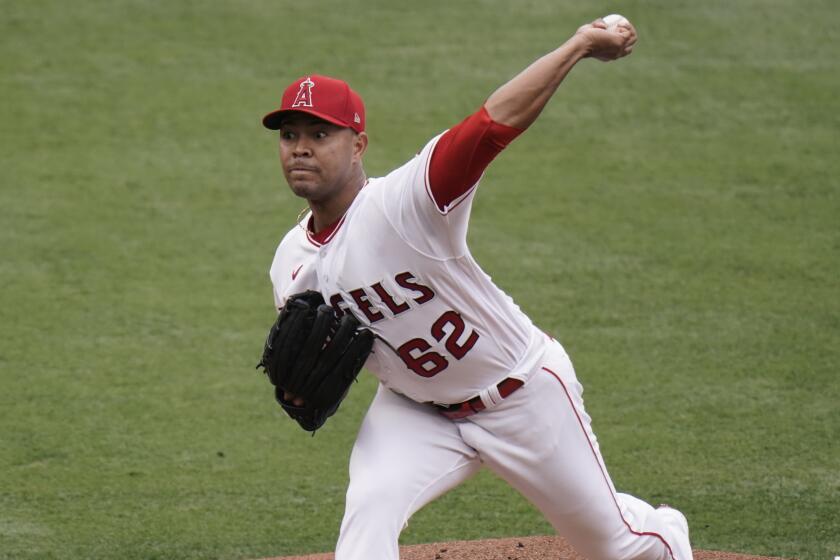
[{"x": 312, "y": 354}]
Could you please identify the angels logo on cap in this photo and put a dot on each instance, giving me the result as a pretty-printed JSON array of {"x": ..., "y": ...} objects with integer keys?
[
  {"x": 327, "y": 98},
  {"x": 304, "y": 95}
]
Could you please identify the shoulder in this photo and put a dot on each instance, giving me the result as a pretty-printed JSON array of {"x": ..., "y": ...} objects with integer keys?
[
  {"x": 409, "y": 172},
  {"x": 422, "y": 157},
  {"x": 295, "y": 237}
]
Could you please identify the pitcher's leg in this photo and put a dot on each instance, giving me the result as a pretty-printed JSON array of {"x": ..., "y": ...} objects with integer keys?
[
  {"x": 405, "y": 455},
  {"x": 541, "y": 442}
]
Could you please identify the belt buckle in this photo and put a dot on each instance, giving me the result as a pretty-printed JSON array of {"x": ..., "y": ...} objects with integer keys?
[
  {"x": 464, "y": 409},
  {"x": 475, "y": 405},
  {"x": 458, "y": 411}
]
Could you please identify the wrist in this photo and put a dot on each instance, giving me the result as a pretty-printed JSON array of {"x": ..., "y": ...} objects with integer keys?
[{"x": 579, "y": 45}]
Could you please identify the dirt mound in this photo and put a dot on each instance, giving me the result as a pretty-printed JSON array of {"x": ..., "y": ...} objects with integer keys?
[{"x": 525, "y": 548}]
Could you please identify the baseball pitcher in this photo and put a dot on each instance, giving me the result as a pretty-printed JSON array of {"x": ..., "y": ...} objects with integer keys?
[{"x": 377, "y": 273}]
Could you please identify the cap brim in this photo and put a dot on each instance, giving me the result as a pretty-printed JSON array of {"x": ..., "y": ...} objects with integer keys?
[{"x": 272, "y": 120}]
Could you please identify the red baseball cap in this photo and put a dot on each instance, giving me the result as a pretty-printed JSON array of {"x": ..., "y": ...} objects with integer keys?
[{"x": 324, "y": 97}]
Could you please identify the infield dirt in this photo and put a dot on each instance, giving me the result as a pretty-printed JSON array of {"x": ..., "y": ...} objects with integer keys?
[{"x": 524, "y": 548}]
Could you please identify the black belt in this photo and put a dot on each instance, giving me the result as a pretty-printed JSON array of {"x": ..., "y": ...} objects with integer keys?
[{"x": 475, "y": 404}]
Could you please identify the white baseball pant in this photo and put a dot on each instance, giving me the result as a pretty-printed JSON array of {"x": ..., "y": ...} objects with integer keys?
[{"x": 539, "y": 440}]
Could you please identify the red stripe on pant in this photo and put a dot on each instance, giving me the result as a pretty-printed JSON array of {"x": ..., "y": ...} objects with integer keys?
[{"x": 603, "y": 473}]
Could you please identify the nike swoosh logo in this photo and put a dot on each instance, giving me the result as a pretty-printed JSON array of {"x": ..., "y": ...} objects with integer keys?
[{"x": 295, "y": 272}]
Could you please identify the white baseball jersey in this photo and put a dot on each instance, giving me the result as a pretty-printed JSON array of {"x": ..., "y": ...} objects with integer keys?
[{"x": 445, "y": 332}]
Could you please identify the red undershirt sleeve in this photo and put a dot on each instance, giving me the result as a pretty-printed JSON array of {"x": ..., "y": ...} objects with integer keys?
[{"x": 463, "y": 153}]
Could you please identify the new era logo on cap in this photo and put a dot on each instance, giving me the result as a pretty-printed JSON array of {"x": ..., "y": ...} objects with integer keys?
[{"x": 327, "y": 98}]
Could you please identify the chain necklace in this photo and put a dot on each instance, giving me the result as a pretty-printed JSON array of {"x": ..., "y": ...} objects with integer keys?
[{"x": 300, "y": 217}]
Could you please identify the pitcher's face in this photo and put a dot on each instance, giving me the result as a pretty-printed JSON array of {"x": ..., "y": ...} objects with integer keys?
[{"x": 317, "y": 156}]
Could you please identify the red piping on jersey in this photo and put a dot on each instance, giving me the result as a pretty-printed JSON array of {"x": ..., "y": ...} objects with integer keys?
[
  {"x": 604, "y": 474},
  {"x": 325, "y": 235}
]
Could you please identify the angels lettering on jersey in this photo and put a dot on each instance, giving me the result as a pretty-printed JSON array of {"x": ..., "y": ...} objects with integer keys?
[{"x": 401, "y": 265}]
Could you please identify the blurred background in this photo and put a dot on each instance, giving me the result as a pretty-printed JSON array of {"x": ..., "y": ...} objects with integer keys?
[{"x": 673, "y": 218}]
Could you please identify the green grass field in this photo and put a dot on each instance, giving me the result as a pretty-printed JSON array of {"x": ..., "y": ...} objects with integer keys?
[{"x": 673, "y": 218}]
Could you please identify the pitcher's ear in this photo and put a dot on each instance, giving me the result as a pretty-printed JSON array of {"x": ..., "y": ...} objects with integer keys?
[{"x": 360, "y": 143}]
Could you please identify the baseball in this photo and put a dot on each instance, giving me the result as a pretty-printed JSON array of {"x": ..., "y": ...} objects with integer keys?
[{"x": 614, "y": 20}]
